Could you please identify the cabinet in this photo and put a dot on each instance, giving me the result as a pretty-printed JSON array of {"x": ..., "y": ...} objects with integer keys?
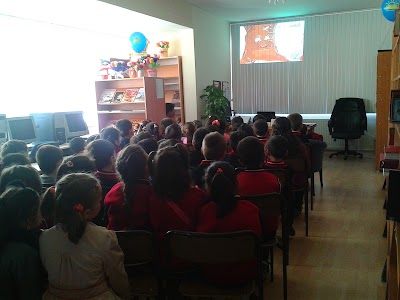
[
  {"x": 153, "y": 106},
  {"x": 383, "y": 82},
  {"x": 171, "y": 71},
  {"x": 393, "y": 254}
]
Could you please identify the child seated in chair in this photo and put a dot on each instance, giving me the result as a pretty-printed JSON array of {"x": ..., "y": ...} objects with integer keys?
[
  {"x": 260, "y": 128},
  {"x": 276, "y": 150},
  {"x": 49, "y": 159},
  {"x": 232, "y": 157},
  {"x": 103, "y": 154},
  {"x": 213, "y": 149},
  {"x": 195, "y": 157},
  {"x": 226, "y": 213},
  {"x": 255, "y": 180},
  {"x": 125, "y": 130}
]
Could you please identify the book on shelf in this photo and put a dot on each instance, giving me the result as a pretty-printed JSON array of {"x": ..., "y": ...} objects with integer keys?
[
  {"x": 107, "y": 95},
  {"x": 118, "y": 96},
  {"x": 140, "y": 96},
  {"x": 130, "y": 95}
]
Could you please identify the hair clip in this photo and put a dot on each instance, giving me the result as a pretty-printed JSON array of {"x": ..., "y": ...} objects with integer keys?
[
  {"x": 78, "y": 207},
  {"x": 69, "y": 164},
  {"x": 216, "y": 122},
  {"x": 52, "y": 190},
  {"x": 219, "y": 170}
]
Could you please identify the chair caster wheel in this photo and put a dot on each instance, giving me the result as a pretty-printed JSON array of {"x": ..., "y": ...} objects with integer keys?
[
  {"x": 345, "y": 158},
  {"x": 330, "y": 156}
]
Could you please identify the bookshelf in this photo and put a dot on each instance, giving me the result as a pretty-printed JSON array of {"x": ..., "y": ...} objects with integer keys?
[
  {"x": 153, "y": 106},
  {"x": 171, "y": 71},
  {"x": 393, "y": 227}
]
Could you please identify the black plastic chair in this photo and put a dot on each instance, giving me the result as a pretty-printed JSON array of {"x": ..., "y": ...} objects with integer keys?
[{"x": 348, "y": 122}]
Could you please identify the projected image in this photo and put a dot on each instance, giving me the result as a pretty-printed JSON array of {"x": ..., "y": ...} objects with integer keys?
[{"x": 276, "y": 42}]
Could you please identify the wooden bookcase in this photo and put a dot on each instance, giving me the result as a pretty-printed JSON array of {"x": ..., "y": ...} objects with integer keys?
[
  {"x": 152, "y": 108},
  {"x": 171, "y": 71},
  {"x": 393, "y": 258}
]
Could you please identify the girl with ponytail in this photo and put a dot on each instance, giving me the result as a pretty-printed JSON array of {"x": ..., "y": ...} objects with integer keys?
[
  {"x": 127, "y": 202},
  {"x": 20, "y": 270},
  {"x": 226, "y": 213},
  {"x": 82, "y": 260}
]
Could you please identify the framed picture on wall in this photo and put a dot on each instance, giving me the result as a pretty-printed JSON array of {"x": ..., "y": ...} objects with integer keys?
[{"x": 395, "y": 106}]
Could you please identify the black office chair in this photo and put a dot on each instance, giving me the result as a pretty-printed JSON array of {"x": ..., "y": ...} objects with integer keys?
[{"x": 348, "y": 121}]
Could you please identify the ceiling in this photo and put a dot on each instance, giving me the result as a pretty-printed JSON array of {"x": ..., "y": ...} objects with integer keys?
[{"x": 246, "y": 10}]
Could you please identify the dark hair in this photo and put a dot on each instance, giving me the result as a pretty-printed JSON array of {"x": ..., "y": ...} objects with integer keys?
[
  {"x": 260, "y": 127},
  {"x": 277, "y": 146},
  {"x": 212, "y": 128},
  {"x": 197, "y": 124},
  {"x": 235, "y": 138},
  {"x": 258, "y": 117},
  {"x": 167, "y": 143},
  {"x": 251, "y": 152},
  {"x": 214, "y": 146},
  {"x": 14, "y": 146},
  {"x": 296, "y": 121},
  {"x": 169, "y": 107},
  {"x": 148, "y": 145},
  {"x": 140, "y": 136},
  {"x": 190, "y": 127},
  {"x": 101, "y": 151},
  {"x": 77, "y": 145},
  {"x": 219, "y": 124},
  {"x": 15, "y": 159},
  {"x": 221, "y": 185},
  {"x": 211, "y": 119},
  {"x": 124, "y": 126},
  {"x": 173, "y": 132},
  {"x": 110, "y": 134},
  {"x": 49, "y": 157},
  {"x": 198, "y": 137},
  {"x": 303, "y": 130},
  {"x": 165, "y": 123},
  {"x": 26, "y": 174},
  {"x": 154, "y": 130},
  {"x": 48, "y": 206},
  {"x": 18, "y": 204},
  {"x": 283, "y": 127},
  {"x": 71, "y": 190},
  {"x": 131, "y": 167},
  {"x": 246, "y": 128},
  {"x": 93, "y": 138},
  {"x": 171, "y": 178},
  {"x": 142, "y": 125},
  {"x": 237, "y": 120},
  {"x": 76, "y": 164}
]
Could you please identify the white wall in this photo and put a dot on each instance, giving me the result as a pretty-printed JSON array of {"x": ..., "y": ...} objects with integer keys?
[{"x": 211, "y": 37}]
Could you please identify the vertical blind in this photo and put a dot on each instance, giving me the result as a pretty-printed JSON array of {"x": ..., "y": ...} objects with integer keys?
[{"x": 340, "y": 53}]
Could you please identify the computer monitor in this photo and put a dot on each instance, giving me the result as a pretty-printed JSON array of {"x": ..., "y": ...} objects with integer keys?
[
  {"x": 22, "y": 128},
  {"x": 268, "y": 115},
  {"x": 68, "y": 125},
  {"x": 44, "y": 123}
]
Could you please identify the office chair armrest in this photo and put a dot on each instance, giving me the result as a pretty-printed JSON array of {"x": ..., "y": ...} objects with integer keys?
[{"x": 330, "y": 126}]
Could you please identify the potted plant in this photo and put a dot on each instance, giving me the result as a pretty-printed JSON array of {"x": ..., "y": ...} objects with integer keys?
[
  {"x": 216, "y": 102},
  {"x": 163, "y": 46}
]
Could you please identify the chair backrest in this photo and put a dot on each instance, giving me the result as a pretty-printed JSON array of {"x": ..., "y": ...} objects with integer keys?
[
  {"x": 283, "y": 177},
  {"x": 269, "y": 206},
  {"x": 317, "y": 155},
  {"x": 138, "y": 247},
  {"x": 298, "y": 173},
  {"x": 348, "y": 118},
  {"x": 213, "y": 248}
]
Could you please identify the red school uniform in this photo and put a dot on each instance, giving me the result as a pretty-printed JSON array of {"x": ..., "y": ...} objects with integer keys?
[
  {"x": 275, "y": 164},
  {"x": 263, "y": 140},
  {"x": 166, "y": 215},
  {"x": 258, "y": 182},
  {"x": 245, "y": 216},
  {"x": 119, "y": 218}
]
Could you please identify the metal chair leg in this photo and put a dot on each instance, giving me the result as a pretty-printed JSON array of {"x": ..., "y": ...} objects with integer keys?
[
  {"x": 271, "y": 263},
  {"x": 320, "y": 178},
  {"x": 312, "y": 191},
  {"x": 306, "y": 210}
]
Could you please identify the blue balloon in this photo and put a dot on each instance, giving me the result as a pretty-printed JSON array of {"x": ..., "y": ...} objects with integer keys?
[
  {"x": 138, "y": 41},
  {"x": 389, "y": 9}
]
